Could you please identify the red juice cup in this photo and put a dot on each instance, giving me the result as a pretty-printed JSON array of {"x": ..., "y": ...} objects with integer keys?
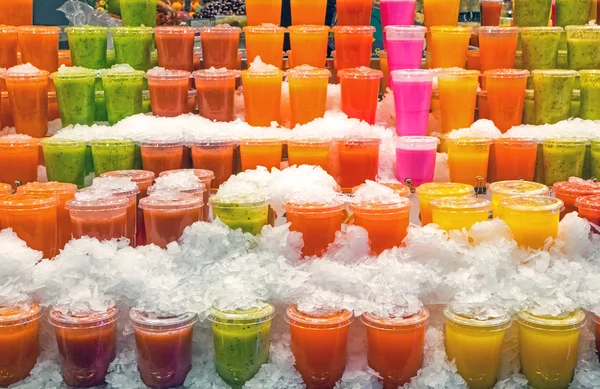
[
  {"x": 474, "y": 60},
  {"x": 164, "y": 347},
  {"x": 319, "y": 344},
  {"x": 308, "y": 93},
  {"x": 313, "y": 152},
  {"x": 261, "y": 152},
  {"x": 201, "y": 190},
  {"x": 28, "y": 94},
  {"x": 158, "y": 156},
  {"x": 358, "y": 161},
  {"x": 5, "y": 189},
  {"x": 506, "y": 96},
  {"x": 220, "y": 46},
  {"x": 360, "y": 92},
  {"x": 354, "y": 12},
  {"x": 19, "y": 158},
  {"x": 97, "y": 216},
  {"x": 588, "y": 207},
  {"x": 515, "y": 158},
  {"x": 412, "y": 100},
  {"x": 216, "y": 93},
  {"x": 497, "y": 47},
  {"x": 491, "y": 11},
  {"x": 86, "y": 344},
  {"x": 266, "y": 42},
  {"x": 404, "y": 46},
  {"x": 353, "y": 46},
  {"x": 570, "y": 191},
  {"x": 309, "y": 45},
  {"x": 131, "y": 196},
  {"x": 397, "y": 12},
  {"x": 8, "y": 47},
  {"x": 215, "y": 156},
  {"x": 168, "y": 91},
  {"x": 263, "y": 11},
  {"x": 39, "y": 46},
  {"x": 415, "y": 159},
  {"x": 175, "y": 46}
]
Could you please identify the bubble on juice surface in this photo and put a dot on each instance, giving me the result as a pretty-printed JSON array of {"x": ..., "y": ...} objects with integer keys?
[
  {"x": 482, "y": 128},
  {"x": 26, "y": 68},
  {"x": 114, "y": 184}
]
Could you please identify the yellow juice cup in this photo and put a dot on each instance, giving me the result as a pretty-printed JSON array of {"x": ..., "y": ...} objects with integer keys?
[
  {"x": 436, "y": 190},
  {"x": 266, "y": 42},
  {"x": 308, "y": 45},
  {"x": 308, "y": 11},
  {"x": 549, "y": 348},
  {"x": 457, "y": 92},
  {"x": 308, "y": 93},
  {"x": 260, "y": 152},
  {"x": 262, "y": 96},
  {"x": 441, "y": 12},
  {"x": 456, "y": 213},
  {"x": 263, "y": 11},
  {"x": 449, "y": 46},
  {"x": 475, "y": 344},
  {"x": 310, "y": 152},
  {"x": 532, "y": 219},
  {"x": 503, "y": 189},
  {"x": 468, "y": 160}
]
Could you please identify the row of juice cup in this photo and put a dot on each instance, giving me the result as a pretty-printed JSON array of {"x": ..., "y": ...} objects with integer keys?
[{"x": 395, "y": 345}]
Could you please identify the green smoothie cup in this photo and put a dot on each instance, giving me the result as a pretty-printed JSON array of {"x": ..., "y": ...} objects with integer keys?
[
  {"x": 249, "y": 216},
  {"x": 575, "y": 104},
  {"x": 583, "y": 44},
  {"x": 531, "y": 13},
  {"x": 65, "y": 160},
  {"x": 553, "y": 90},
  {"x": 539, "y": 175},
  {"x": 101, "y": 115},
  {"x": 589, "y": 81},
  {"x": 122, "y": 93},
  {"x": 595, "y": 158},
  {"x": 242, "y": 342},
  {"x": 112, "y": 154},
  {"x": 76, "y": 95},
  {"x": 587, "y": 162},
  {"x": 540, "y": 47},
  {"x": 529, "y": 108},
  {"x": 573, "y": 12},
  {"x": 135, "y": 13},
  {"x": 563, "y": 158},
  {"x": 88, "y": 46},
  {"x": 133, "y": 46}
]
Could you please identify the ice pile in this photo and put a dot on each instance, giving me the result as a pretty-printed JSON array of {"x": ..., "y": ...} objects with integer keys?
[
  {"x": 482, "y": 128},
  {"x": 26, "y": 68},
  {"x": 567, "y": 128},
  {"x": 183, "y": 180}
]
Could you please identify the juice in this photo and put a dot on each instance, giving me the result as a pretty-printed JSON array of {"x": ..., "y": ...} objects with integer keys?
[
  {"x": 95, "y": 215},
  {"x": 28, "y": 95},
  {"x": 164, "y": 347},
  {"x": 474, "y": 60},
  {"x": 249, "y": 216},
  {"x": 19, "y": 340},
  {"x": 310, "y": 152},
  {"x": 308, "y": 12},
  {"x": 8, "y": 47},
  {"x": 397, "y": 12},
  {"x": 158, "y": 157},
  {"x": 200, "y": 189},
  {"x": 133, "y": 46},
  {"x": 309, "y": 45},
  {"x": 506, "y": 96},
  {"x": 573, "y": 12},
  {"x": 457, "y": 213},
  {"x": 588, "y": 207},
  {"x": 220, "y": 46},
  {"x": 563, "y": 158},
  {"x": 353, "y": 46},
  {"x": 385, "y": 69},
  {"x": 88, "y": 45},
  {"x": 531, "y": 13},
  {"x": 468, "y": 160},
  {"x": 112, "y": 154},
  {"x": 570, "y": 191},
  {"x": 412, "y": 100},
  {"x": 458, "y": 97},
  {"x": 265, "y": 42},
  {"x": 168, "y": 91},
  {"x": 136, "y": 13},
  {"x": 39, "y": 46},
  {"x": 17, "y": 13},
  {"x": 319, "y": 344},
  {"x": 435, "y": 190},
  {"x": 503, "y": 189},
  {"x": 404, "y": 46},
  {"x": 262, "y": 96},
  {"x": 540, "y": 47},
  {"x": 415, "y": 159},
  {"x": 354, "y": 12},
  {"x": 590, "y": 94},
  {"x": 583, "y": 44},
  {"x": 491, "y": 11},
  {"x": 553, "y": 90},
  {"x": 308, "y": 93},
  {"x": 122, "y": 94},
  {"x": 18, "y": 159},
  {"x": 216, "y": 92},
  {"x": 482, "y": 105},
  {"x": 216, "y": 156},
  {"x": 498, "y": 47},
  {"x": 175, "y": 46},
  {"x": 441, "y": 12},
  {"x": 449, "y": 45},
  {"x": 358, "y": 161},
  {"x": 5, "y": 189},
  {"x": 76, "y": 95},
  {"x": 263, "y": 11},
  {"x": 360, "y": 92},
  {"x": 261, "y": 152},
  {"x": 514, "y": 159}
]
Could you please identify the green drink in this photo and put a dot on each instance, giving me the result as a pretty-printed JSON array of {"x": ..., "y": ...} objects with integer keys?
[
  {"x": 88, "y": 46},
  {"x": 122, "y": 93},
  {"x": 539, "y": 175},
  {"x": 589, "y": 81},
  {"x": 65, "y": 160},
  {"x": 587, "y": 162},
  {"x": 146, "y": 106},
  {"x": 111, "y": 59},
  {"x": 101, "y": 115},
  {"x": 112, "y": 154},
  {"x": 553, "y": 90},
  {"x": 595, "y": 158},
  {"x": 247, "y": 216},
  {"x": 583, "y": 44},
  {"x": 540, "y": 47},
  {"x": 133, "y": 46},
  {"x": 532, "y": 13},
  {"x": 75, "y": 92},
  {"x": 563, "y": 158},
  {"x": 563, "y": 59},
  {"x": 242, "y": 342},
  {"x": 575, "y": 104},
  {"x": 572, "y": 12},
  {"x": 135, "y": 13},
  {"x": 528, "y": 108}
]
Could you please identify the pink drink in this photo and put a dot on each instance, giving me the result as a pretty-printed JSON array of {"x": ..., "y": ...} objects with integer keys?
[
  {"x": 415, "y": 159},
  {"x": 412, "y": 95},
  {"x": 397, "y": 12},
  {"x": 404, "y": 46}
]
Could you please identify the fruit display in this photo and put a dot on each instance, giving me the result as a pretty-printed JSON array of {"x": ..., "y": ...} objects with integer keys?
[{"x": 216, "y": 8}]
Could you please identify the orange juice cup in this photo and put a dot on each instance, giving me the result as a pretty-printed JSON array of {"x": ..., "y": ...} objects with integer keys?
[
  {"x": 28, "y": 94},
  {"x": 220, "y": 46},
  {"x": 158, "y": 157},
  {"x": 175, "y": 46},
  {"x": 386, "y": 223},
  {"x": 498, "y": 47},
  {"x": 308, "y": 93},
  {"x": 491, "y": 11},
  {"x": 8, "y": 47},
  {"x": 261, "y": 152},
  {"x": 33, "y": 218},
  {"x": 5, "y": 189},
  {"x": 570, "y": 191},
  {"x": 310, "y": 152},
  {"x": 216, "y": 92},
  {"x": 468, "y": 160},
  {"x": 360, "y": 92},
  {"x": 385, "y": 69},
  {"x": 436, "y": 190},
  {"x": 358, "y": 161},
  {"x": 482, "y": 105},
  {"x": 6, "y": 118},
  {"x": 457, "y": 213},
  {"x": 319, "y": 344},
  {"x": 39, "y": 46},
  {"x": 458, "y": 98},
  {"x": 506, "y": 96},
  {"x": 19, "y": 341},
  {"x": 18, "y": 159},
  {"x": 266, "y": 42},
  {"x": 449, "y": 46},
  {"x": 17, "y": 13},
  {"x": 216, "y": 156},
  {"x": 262, "y": 96},
  {"x": 263, "y": 11},
  {"x": 103, "y": 218},
  {"x": 318, "y": 224},
  {"x": 168, "y": 91},
  {"x": 474, "y": 60},
  {"x": 395, "y": 346},
  {"x": 309, "y": 45},
  {"x": 308, "y": 11},
  {"x": 588, "y": 207},
  {"x": 515, "y": 158},
  {"x": 131, "y": 196},
  {"x": 503, "y": 189},
  {"x": 354, "y": 12},
  {"x": 353, "y": 46},
  {"x": 441, "y": 12}
]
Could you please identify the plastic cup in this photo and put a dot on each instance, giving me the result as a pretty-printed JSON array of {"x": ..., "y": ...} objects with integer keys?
[
  {"x": 563, "y": 158},
  {"x": 201, "y": 190},
  {"x": 588, "y": 207},
  {"x": 498, "y": 47},
  {"x": 441, "y": 12},
  {"x": 8, "y": 47},
  {"x": 309, "y": 45},
  {"x": 28, "y": 94},
  {"x": 76, "y": 95},
  {"x": 135, "y": 13},
  {"x": 553, "y": 90},
  {"x": 415, "y": 159},
  {"x": 18, "y": 159},
  {"x": 168, "y": 92},
  {"x": 595, "y": 157},
  {"x": 308, "y": 93},
  {"x": 570, "y": 191},
  {"x": 358, "y": 160},
  {"x": 100, "y": 218},
  {"x": 474, "y": 60},
  {"x": 491, "y": 11},
  {"x": 17, "y": 13},
  {"x": 133, "y": 46},
  {"x": 19, "y": 340},
  {"x": 318, "y": 224},
  {"x": 590, "y": 94},
  {"x": 575, "y": 110},
  {"x": 263, "y": 11},
  {"x": 404, "y": 46},
  {"x": 220, "y": 46},
  {"x": 131, "y": 214},
  {"x": 310, "y": 152},
  {"x": 88, "y": 45},
  {"x": 385, "y": 69},
  {"x": 261, "y": 152},
  {"x": 397, "y": 12},
  {"x": 549, "y": 347},
  {"x": 468, "y": 160},
  {"x": 506, "y": 96},
  {"x": 308, "y": 12},
  {"x": 475, "y": 344},
  {"x": 86, "y": 343},
  {"x": 353, "y": 46},
  {"x": 354, "y": 12},
  {"x": 262, "y": 97},
  {"x": 175, "y": 46},
  {"x": 39, "y": 46},
  {"x": 216, "y": 93},
  {"x": 503, "y": 189},
  {"x": 531, "y": 13},
  {"x": 122, "y": 94},
  {"x": 265, "y": 42},
  {"x": 386, "y": 223},
  {"x": 360, "y": 92},
  {"x": 483, "y": 111},
  {"x": 449, "y": 46},
  {"x": 249, "y": 216},
  {"x": 412, "y": 100},
  {"x": 457, "y": 213},
  {"x": 435, "y": 190},
  {"x": 573, "y": 13},
  {"x": 514, "y": 159},
  {"x": 540, "y": 47},
  {"x": 113, "y": 154},
  {"x": 583, "y": 44},
  {"x": 458, "y": 97},
  {"x": 529, "y": 108},
  {"x": 216, "y": 156}
]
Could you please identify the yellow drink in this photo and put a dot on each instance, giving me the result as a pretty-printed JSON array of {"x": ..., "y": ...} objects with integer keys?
[
  {"x": 262, "y": 96},
  {"x": 503, "y": 189},
  {"x": 308, "y": 12},
  {"x": 441, "y": 12},
  {"x": 263, "y": 11},
  {"x": 449, "y": 46},
  {"x": 308, "y": 93},
  {"x": 457, "y": 92},
  {"x": 265, "y": 42},
  {"x": 309, "y": 152},
  {"x": 549, "y": 348},
  {"x": 308, "y": 45},
  {"x": 468, "y": 160},
  {"x": 532, "y": 219},
  {"x": 436, "y": 190},
  {"x": 456, "y": 213},
  {"x": 475, "y": 346}
]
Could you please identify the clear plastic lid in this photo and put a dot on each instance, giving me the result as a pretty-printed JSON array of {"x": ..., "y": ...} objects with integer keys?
[
  {"x": 220, "y": 29},
  {"x": 265, "y": 28},
  {"x": 470, "y": 141},
  {"x": 306, "y": 71},
  {"x": 79, "y": 319},
  {"x": 151, "y": 321},
  {"x": 334, "y": 205},
  {"x": 19, "y": 314},
  {"x": 17, "y": 140},
  {"x": 98, "y": 201},
  {"x": 174, "y": 30},
  {"x": 58, "y": 142},
  {"x": 5, "y": 189},
  {"x": 451, "y": 29},
  {"x": 158, "y": 73},
  {"x": 516, "y": 142},
  {"x": 309, "y": 29},
  {"x": 202, "y": 174},
  {"x": 28, "y": 201},
  {"x": 362, "y": 73},
  {"x": 8, "y": 29},
  {"x": 123, "y": 31},
  {"x": 541, "y": 30},
  {"x": 170, "y": 201},
  {"x": 353, "y": 30},
  {"x": 533, "y": 204},
  {"x": 38, "y": 30},
  {"x": 461, "y": 204},
  {"x": 112, "y": 142},
  {"x": 417, "y": 142},
  {"x": 591, "y": 203},
  {"x": 382, "y": 207},
  {"x": 397, "y": 187},
  {"x": 457, "y": 74},
  {"x": 412, "y": 75},
  {"x": 137, "y": 176},
  {"x": 256, "y": 315},
  {"x": 583, "y": 32},
  {"x": 565, "y": 141},
  {"x": 555, "y": 73},
  {"x": 405, "y": 32},
  {"x": 325, "y": 318},
  {"x": 500, "y": 322},
  {"x": 216, "y": 74},
  {"x": 506, "y": 73},
  {"x": 74, "y": 73},
  {"x": 391, "y": 322},
  {"x": 495, "y": 30},
  {"x": 160, "y": 144},
  {"x": 52, "y": 187},
  {"x": 441, "y": 189},
  {"x": 577, "y": 188},
  {"x": 564, "y": 321},
  {"x": 519, "y": 187},
  {"x": 239, "y": 202},
  {"x": 591, "y": 73}
]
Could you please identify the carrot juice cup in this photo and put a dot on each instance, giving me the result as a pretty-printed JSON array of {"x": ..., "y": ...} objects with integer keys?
[
  {"x": 262, "y": 94},
  {"x": 28, "y": 93},
  {"x": 456, "y": 213},
  {"x": 506, "y": 96},
  {"x": 113, "y": 154},
  {"x": 360, "y": 92},
  {"x": 549, "y": 347},
  {"x": 18, "y": 159},
  {"x": 583, "y": 47},
  {"x": 168, "y": 91},
  {"x": 261, "y": 152},
  {"x": 588, "y": 207},
  {"x": 167, "y": 336},
  {"x": 449, "y": 46},
  {"x": 319, "y": 344},
  {"x": 17, "y": 13},
  {"x": 458, "y": 98},
  {"x": 88, "y": 46},
  {"x": 553, "y": 90},
  {"x": 563, "y": 158},
  {"x": 498, "y": 47},
  {"x": 309, "y": 45},
  {"x": 220, "y": 46},
  {"x": 308, "y": 93},
  {"x": 475, "y": 344},
  {"x": 266, "y": 42},
  {"x": 515, "y": 158},
  {"x": 242, "y": 342},
  {"x": 39, "y": 46},
  {"x": 468, "y": 160},
  {"x": 310, "y": 152},
  {"x": 397, "y": 13},
  {"x": 318, "y": 223},
  {"x": 175, "y": 46},
  {"x": 358, "y": 161},
  {"x": 216, "y": 92},
  {"x": 503, "y": 189},
  {"x": 441, "y": 12},
  {"x": 415, "y": 159},
  {"x": 412, "y": 100},
  {"x": 395, "y": 346},
  {"x": 404, "y": 46},
  {"x": 491, "y": 11},
  {"x": 534, "y": 13},
  {"x": 354, "y": 12},
  {"x": 540, "y": 47},
  {"x": 133, "y": 46},
  {"x": 8, "y": 47},
  {"x": 263, "y": 11},
  {"x": 76, "y": 95},
  {"x": 353, "y": 46},
  {"x": 86, "y": 343},
  {"x": 571, "y": 190},
  {"x": 308, "y": 12},
  {"x": 65, "y": 160},
  {"x": 122, "y": 93},
  {"x": 216, "y": 156},
  {"x": 98, "y": 214}
]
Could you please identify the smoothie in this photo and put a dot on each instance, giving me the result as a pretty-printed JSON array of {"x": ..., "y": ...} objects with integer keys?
[
  {"x": 497, "y": 47},
  {"x": 310, "y": 152},
  {"x": 28, "y": 95},
  {"x": 122, "y": 93},
  {"x": 583, "y": 44},
  {"x": 159, "y": 157},
  {"x": 503, "y": 189},
  {"x": 412, "y": 101},
  {"x": 309, "y": 45},
  {"x": 216, "y": 156},
  {"x": 506, "y": 96},
  {"x": 529, "y": 108},
  {"x": 353, "y": 46},
  {"x": 441, "y": 12},
  {"x": 449, "y": 46},
  {"x": 133, "y": 46},
  {"x": 491, "y": 11},
  {"x": 247, "y": 216},
  {"x": 358, "y": 161},
  {"x": 308, "y": 12},
  {"x": 457, "y": 213},
  {"x": 19, "y": 156},
  {"x": 588, "y": 207},
  {"x": 265, "y": 42},
  {"x": 553, "y": 90},
  {"x": 435, "y": 190},
  {"x": 404, "y": 46},
  {"x": 65, "y": 160},
  {"x": 168, "y": 91},
  {"x": 354, "y": 12},
  {"x": 595, "y": 157},
  {"x": 262, "y": 95},
  {"x": 468, "y": 160},
  {"x": 98, "y": 214},
  {"x": 360, "y": 92},
  {"x": 17, "y": 13},
  {"x": 308, "y": 93},
  {"x": 88, "y": 46},
  {"x": 589, "y": 94},
  {"x": 573, "y": 12},
  {"x": 216, "y": 93},
  {"x": 531, "y": 13},
  {"x": 263, "y": 11},
  {"x": 76, "y": 95},
  {"x": 563, "y": 158},
  {"x": 135, "y": 13},
  {"x": 8, "y": 47},
  {"x": 397, "y": 12},
  {"x": 220, "y": 46},
  {"x": 175, "y": 46},
  {"x": 539, "y": 46},
  {"x": 261, "y": 152},
  {"x": 39, "y": 46},
  {"x": 457, "y": 92},
  {"x": 415, "y": 159},
  {"x": 570, "y": 191},
  {"x": 112, "y": 154},
  {"x": 514, "y": 159}
]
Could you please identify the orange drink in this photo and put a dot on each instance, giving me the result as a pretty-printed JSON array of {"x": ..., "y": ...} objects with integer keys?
[
  {"x": 588, "y": 207},
  {"x": 506, "y": 96},
  {"x": 158, "y": 157},
  {"x": 358, "y": 161},
  {"x": 498, "y": 47},
  {"x": 360, "y": 92},
  {"x": 260, "y": 152},
  {"x": 97, "y": 216},
  {"x": 308, "y": 93},
  {"x": 8, "y": 47},
  {"x": 514, "y": 159},
  {"x": 456, "y": 213},
  {"x": 353, "y": 46},
  {"x": 449, "y": 45},
  {"x": 220, "y": 46},
  {"x": 482, "y": 105},
  {"x": 468, "y": 160},
  {"x": 354, "y": 12},
  {"x": 199, "y": 189},
  {"x": 309, "y": 45},
  {"x": 263, "y": 11},
  {"x": 458, "y": 98},
  {"x": 384, "y": 65},
  {"x": 39, "y": 46},
  {"x": 262, "y": 96},
  {"x": 310, "y": 152},
  {"x": 435, "y": 190},
  {"x": 441, "y": 12},
  {"x": 308, "y": 11},
  {"x": 28, "y": 94},
  {"x": 216, "y": 156},
  {"x": 266, "y": 42},
  {"x": 491, "y": 11},
  {"x": 33, "y": 218},
  {"x": 319, "y": 344},
  {"x": 17, "y": 13},
  {"x": 570, "y": 191},
  {"x": 216, "y": 92},
  {"x": 168, "y": 91},
  {"x": 474, "y": 60},
  {"x": 18, "y": 159},
  {"x": 395, "y": 346},
  {"x": 175, "y": 47},
  {"x": 503, "y": 189},
  {"x": 5, "y": 189}
]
